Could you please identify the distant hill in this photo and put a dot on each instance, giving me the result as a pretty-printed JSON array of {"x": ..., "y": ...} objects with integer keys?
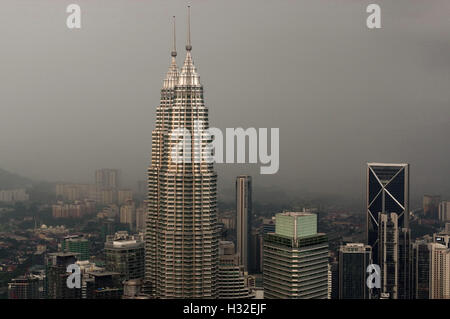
[{"x": 10, "y": 180}]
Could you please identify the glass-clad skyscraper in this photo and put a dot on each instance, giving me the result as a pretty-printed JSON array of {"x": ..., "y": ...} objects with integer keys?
[
  {"x": 295, "y": 262},
  {"x": 182, "y": 240},
  {"x": 353, "y": 261},
  {"x": 387, "y": 192}
]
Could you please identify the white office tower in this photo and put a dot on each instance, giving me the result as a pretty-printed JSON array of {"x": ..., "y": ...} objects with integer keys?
[{"x": 439, "y": 271}]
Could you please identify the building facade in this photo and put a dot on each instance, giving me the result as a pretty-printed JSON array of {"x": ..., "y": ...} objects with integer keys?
[
  {"x": 244, "y": 218},
  {"x": 25, "y": 287},
  {"x": 353, "y": 261},
  {"x": 439, "y": 271},
  {"x": 295, "y": 261},
  {"x": 421, "y": 269},
  {"x": 182, "y": 237},
  {"x": 124, "y": 254},
  {"x": 76, "y": 244},
  {"x": 57, "y": 275},
  {"x": 387, "y": 191},
  {"x": 232, "y": 283}
]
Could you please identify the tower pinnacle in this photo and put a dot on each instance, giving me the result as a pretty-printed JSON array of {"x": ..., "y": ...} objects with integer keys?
[
  {"x": 188, "y": 45},
  {"x": 174, "y": 51},
  {"x": 172, "y": 75}
]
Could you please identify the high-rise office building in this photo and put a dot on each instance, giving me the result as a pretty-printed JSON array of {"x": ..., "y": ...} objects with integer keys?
[
  {"x": 56, "y": 276},
  {"x": 439, "y": 271},
  {"x": 353, "y": 261},
  {"x": 295, "y": 262},
  {"x": 334, "y": 279},
  {"x": 421, "y": 269},
  {"x": 232, "y": 283},
  {"x": 388, "y": 253},
  {"x": 394, "y": 247},
  {"x": 255, "y": 251},
  {"x": 182, "y": 238},
  {"x": 125, "y": 254},
  {"x": 387, "y": 192},
  {"x": 404, "y": 264},
  {"x": 244, "y": 218},
  {"x": 76, "y": 244}
]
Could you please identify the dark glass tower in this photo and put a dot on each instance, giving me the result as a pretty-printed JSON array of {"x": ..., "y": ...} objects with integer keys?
[
  {"x": 387, "y": 192},
  {"x": 353, "y": 262},
  {"x": 421, "y": 269}
]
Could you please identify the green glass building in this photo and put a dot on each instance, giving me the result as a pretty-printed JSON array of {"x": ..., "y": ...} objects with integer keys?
[
  {"x": 76, "y": 244},
  {"x": 295, "y": 260}
]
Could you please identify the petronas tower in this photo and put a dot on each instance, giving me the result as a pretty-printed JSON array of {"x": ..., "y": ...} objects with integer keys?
[{"x": 182, "y": 240}]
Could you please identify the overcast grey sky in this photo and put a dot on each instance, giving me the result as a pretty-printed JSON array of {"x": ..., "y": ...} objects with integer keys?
[{"x": 342, "y": 95}]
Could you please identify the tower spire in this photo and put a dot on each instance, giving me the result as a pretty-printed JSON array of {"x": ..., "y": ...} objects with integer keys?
[
  {"x": 189, "y": 75},
  {"x": 188, "y": 45},
  {"x": 174, "y": 51},
  {"x": 172, "y": 75}
]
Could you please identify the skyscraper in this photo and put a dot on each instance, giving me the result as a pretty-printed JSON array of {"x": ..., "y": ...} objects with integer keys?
[
  {"x": 404, "y": 264},
  {"x": 56, "y": 276},
  {"x": 295, "y": 262},
  {"x": 125, "y": 254},
  {"x": 182, "y": 239},
  {"x": 421, "y": 269},
  {"x": 387, "y": 192},
  {"x": 243, "y": 218},
  {"x": 388, "y": 253},
  {"x": 439, "y": 271},
  {"x": 353, "y": 261},
  {"x": 76, "y": 244}
]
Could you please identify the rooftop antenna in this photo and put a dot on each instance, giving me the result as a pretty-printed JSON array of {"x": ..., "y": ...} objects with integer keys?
[
  {"x": 188, "y": 45},
  {"x": 174, "y": 51}
]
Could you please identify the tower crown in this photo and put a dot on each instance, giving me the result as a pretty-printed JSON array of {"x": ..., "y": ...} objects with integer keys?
[
  {"x": 189, "y": 75},
  {"x": 173, "y": 73}
]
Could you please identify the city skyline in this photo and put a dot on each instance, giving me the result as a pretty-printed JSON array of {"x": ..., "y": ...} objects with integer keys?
[
  {"x": 301, "y": 52},
  {"x": 297, "y": 222}
]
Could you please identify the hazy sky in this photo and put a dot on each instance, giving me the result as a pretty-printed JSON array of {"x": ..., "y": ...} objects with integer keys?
[{"x": 342, "y": 95}]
